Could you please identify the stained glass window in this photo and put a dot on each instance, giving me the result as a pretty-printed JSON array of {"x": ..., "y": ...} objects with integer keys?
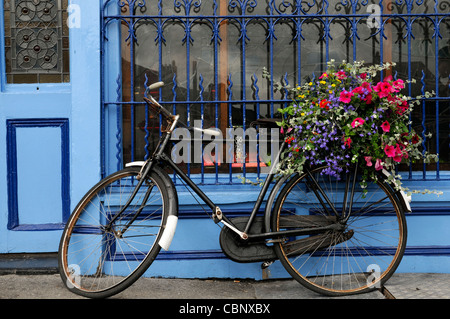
[{"x": 36, "y": 41}]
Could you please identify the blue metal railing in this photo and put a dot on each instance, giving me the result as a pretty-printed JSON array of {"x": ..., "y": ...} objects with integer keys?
[{"x": 213, "y": 70}]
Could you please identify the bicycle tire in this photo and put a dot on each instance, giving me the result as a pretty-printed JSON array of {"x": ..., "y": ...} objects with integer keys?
[
  {"x": 359, "y": 257},
  {"x": 96, "y": 262}
]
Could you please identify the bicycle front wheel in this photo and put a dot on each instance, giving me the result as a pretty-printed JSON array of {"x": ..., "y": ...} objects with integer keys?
[
  {"x": 97, "y": 258},
  {"x": 364, "y": 247}
]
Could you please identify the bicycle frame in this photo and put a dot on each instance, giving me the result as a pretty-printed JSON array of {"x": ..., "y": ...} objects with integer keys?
[{"x": 218, "y": 217}]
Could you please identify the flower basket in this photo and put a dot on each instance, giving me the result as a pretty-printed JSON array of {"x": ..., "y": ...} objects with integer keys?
[{"x": 348, "y": 118}]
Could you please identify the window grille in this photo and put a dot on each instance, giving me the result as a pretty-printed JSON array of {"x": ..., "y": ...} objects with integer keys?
[{"x": 213, "y": 54}]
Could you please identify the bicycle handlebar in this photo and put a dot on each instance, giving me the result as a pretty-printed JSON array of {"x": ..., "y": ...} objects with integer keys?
[
  {"x": 151, "y": 99},
  {"x": 155, "y": 86}
]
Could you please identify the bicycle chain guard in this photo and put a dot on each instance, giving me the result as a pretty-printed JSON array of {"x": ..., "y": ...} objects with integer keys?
[{"x": 245, "y": 252}]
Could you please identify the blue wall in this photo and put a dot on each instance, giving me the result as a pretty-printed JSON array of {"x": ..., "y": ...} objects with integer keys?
[
  {"x": 195, "y": 250},
  {"x": 75, "y": 108},
  {"x": 51, "y": 142}
]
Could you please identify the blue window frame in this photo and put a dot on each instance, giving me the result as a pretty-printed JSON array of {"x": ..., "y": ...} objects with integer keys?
[{"x": 212, "y": 55}]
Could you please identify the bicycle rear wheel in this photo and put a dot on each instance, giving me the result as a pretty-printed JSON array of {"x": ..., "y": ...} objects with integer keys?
[
  {"x": 360, "y": 254},
  {"x": 97, "y": 260}
]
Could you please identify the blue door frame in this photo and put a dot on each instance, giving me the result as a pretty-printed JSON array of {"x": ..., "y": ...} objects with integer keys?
[{"x": 52, "y": 132}]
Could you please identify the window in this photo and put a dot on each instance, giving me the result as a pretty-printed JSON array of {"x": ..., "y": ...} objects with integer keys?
[
  {"x": 211, "y": 55},
  {"x": 36, "y": 41}
]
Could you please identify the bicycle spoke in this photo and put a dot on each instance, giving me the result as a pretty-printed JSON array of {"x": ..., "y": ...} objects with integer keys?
[
  {"x": 104, "y": 257},
  {"x": 364, "y": 251}
]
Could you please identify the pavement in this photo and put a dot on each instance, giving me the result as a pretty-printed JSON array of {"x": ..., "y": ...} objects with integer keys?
[{"x": 37, "y": 278}]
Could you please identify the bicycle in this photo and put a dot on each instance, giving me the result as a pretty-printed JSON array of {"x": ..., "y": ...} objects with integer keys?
[{"x": 329, "y": 234}]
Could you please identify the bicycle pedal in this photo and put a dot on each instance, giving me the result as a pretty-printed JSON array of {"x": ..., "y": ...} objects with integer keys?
[{"x": 266, "y": 264}]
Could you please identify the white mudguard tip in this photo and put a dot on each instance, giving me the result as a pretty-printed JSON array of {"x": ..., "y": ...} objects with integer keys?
[
  {"x": 169, "y": 232},
  {"x": 137, "y": 163},
  {"x": 407, "y": 199}
]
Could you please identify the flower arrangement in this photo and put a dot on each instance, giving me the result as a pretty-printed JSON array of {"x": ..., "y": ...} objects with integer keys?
[{"x": 346, "y": 118}]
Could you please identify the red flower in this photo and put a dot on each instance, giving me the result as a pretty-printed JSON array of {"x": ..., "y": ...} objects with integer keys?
[
  {"x": 368, "y": 98},
  {"x": 348, "y": 142},
  {"x": 324, "y": 104},
  {"x": 289, "y": 139},
  {"x": 402, "y": 108}
]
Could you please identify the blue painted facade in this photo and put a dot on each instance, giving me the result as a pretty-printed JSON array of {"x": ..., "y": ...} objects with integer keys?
[
  {"x": 50, "y": 154},
  {"x": 61, "y": 138}
]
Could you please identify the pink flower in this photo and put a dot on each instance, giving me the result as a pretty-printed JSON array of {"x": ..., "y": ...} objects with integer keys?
[
  {"x": 357, "y": 122},
  {"x": 398, "y": 85},
  {"x": 358, "y": 90},
  {"x": 366, "y": 85},
  {"x": 345, "y": 96},
  {"x": 390, "y": 150},
  {"x": 386, "y": 127},
  {"x": 399, "y": 153},
  {"x": 383, "y": 89},
  {"x": 341, "y": 75},
  {"x": 324, "y": 75},
  {"x": 368, "y": 160},
  {"x": 378, "y": 165}
]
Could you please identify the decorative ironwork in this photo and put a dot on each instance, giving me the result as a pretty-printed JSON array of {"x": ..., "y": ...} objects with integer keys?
[
  {"x": 215, "y": 50},
  {"x": 35, "y": 42}
]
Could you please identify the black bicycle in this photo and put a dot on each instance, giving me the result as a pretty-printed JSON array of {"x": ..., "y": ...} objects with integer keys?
[{"x": 331, "y": 235}]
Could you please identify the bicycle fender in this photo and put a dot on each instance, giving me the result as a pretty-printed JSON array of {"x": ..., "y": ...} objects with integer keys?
[
  {"x": 404, "y": 199},
  {"x": 137, "y": 163},
  {"x": 172, "y": 219},
  {"x": 169, "y": 232},
  {"x": 271, "y": 200}
]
